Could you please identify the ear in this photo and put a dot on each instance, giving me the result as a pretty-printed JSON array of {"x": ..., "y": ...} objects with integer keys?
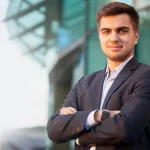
[
  {"x": 136, "y": 37},
  {"x": 99, "y": 36}
]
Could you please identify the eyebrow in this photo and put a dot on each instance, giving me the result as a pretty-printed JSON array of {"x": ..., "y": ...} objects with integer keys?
[
  {"x": 123, "y": 27},
  {"x": 127, "y": 28}
]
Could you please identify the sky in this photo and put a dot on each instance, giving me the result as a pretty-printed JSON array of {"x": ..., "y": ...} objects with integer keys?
[{"x": 23, "y": 84}]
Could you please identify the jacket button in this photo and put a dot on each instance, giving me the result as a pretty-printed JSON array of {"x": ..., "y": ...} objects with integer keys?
[
  {"x": 73, "y": 130},
  {"x": 78, "y": 129}
]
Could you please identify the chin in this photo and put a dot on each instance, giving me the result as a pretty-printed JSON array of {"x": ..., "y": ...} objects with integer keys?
[{"x": 118, "y": 58}]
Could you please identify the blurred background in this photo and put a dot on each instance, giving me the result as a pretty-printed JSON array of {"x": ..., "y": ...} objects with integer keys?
[{"x": 46, "y": 46}]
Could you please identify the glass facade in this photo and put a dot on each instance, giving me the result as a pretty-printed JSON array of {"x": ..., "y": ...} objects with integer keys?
[
  {"x": 142, "y": 50},
  {"x": 29, "y": 27},
  {"x": 49, "y": 30},
  {"x": 94, "y": 54},
  {"x": 73, "y": 18}
]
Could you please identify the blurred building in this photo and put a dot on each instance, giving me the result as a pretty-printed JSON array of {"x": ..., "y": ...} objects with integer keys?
[
  {"x": 61, "y": 35},
  {"x": 24, "y": 139}
]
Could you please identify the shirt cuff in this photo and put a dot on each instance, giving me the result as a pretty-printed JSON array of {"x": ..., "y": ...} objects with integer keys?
[
  {"x": 77, "y": 141},
  {"x": 90, "y": 122}
]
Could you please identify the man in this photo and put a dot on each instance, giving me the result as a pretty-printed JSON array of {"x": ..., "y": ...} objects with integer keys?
[{"x": 109, "y": 109}]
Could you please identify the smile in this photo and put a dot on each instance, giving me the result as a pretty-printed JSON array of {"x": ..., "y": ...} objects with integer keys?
[{"x": 114, "y": 46}]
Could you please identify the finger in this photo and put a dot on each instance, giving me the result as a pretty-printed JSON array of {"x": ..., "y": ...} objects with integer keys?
[
  {"x": 63, "y": 111},
  {"x": 61, "y": 114},
  {"x": 69, "y": 110},
  {"x": 73, "y": 109},
  {"x": 66, "y": 110}
]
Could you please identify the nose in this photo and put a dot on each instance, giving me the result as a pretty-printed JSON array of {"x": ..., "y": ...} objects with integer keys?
[{"x": 114, "y": 37}]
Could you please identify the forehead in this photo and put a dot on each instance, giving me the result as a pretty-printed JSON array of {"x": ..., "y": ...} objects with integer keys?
[{"x": 115, "y": 21}]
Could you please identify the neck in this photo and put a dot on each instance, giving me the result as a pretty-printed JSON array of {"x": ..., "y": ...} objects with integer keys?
[{"x": 113, "y": 65}]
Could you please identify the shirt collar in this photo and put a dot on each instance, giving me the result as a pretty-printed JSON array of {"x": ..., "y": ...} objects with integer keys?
[{"x": 118, "y": 68}]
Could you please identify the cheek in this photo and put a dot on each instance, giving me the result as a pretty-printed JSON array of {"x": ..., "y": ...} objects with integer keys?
[
  {"x": 103, "y": 41},
  {"x": 129, "y": 40},
  {"x": 125, "y": 41}
]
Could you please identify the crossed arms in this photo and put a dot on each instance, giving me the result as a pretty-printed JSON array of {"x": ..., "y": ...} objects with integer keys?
[
  {"x": 125, "y": 127},
  {"x": 97, "y": 116}
]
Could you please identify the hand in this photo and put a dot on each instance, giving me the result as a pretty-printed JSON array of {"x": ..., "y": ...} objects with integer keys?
[{"x": 67, "y": 110}]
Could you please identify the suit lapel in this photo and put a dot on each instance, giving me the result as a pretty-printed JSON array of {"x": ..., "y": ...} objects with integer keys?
[
  {"x": 97, "y": 89},
  {"x": 123, "y": 75}
]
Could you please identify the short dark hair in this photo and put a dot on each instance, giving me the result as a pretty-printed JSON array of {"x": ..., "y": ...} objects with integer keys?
[{"x": 116, "y": 8}]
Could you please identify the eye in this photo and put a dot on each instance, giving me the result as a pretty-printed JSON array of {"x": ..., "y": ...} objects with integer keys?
[
  {"x": 105, "y": 32},
  {"x": 123, "y": 31}
]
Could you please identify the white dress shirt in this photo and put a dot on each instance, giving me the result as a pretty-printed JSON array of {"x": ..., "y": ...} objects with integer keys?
[{"x": 108, "y": 81}]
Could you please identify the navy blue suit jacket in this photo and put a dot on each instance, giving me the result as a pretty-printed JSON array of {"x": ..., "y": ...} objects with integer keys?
[{"x": 130, "y": 93}]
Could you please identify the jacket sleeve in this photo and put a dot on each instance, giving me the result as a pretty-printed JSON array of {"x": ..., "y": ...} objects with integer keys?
[
  {"x": 126, "y": 126},
  {"x": 62, "y": 128}
]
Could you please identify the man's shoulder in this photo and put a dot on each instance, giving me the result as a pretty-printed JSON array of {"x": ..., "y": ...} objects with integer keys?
[
  {"x": 136, "y": 65},
  {"x": 141, "y": 71},
  {"x": 144, "y": 67},
  {"x": 92, "y": 75}
]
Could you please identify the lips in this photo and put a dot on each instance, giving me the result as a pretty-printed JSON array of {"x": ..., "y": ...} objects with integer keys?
[{"x": 115, "y": 46}]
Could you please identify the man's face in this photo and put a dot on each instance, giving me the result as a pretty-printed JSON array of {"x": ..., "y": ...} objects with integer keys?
[{"x": 117, "y": 37}]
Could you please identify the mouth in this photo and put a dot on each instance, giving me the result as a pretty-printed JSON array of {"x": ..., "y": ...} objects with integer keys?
[{"x": 115, "y": 47}]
